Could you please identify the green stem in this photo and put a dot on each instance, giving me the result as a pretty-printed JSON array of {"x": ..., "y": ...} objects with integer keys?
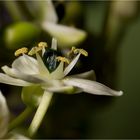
[
  {"x": 20, "y": 119},
  {"x": 40, "y": 113}
]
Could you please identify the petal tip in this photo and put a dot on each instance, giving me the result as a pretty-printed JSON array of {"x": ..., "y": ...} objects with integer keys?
[
  {"x": 54, "y": 44},
  {"x": 120, "y": 93}
]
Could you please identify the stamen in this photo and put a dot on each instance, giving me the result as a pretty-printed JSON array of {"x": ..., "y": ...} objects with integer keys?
[
  {"x": 34, "y": 50},
  {"x": 75, "y": 51},
  {"x": 71, "y": 51},
  {"x": 63, "y": 59},
  {"x": 38, "y": 48},
  {"x": 81, "y": 51},
  {"x": 21, "y": 51}
]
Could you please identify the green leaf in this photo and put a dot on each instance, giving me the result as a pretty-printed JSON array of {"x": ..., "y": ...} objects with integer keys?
[{"x": 32, "y": 95}]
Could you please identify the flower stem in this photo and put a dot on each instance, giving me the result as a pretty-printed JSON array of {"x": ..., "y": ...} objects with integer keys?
[
  {"x": 40, "y": 113},
  {"x": 20, "y": 119}
]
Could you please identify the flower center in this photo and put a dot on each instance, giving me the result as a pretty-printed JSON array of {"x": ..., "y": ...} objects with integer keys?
[{"x": 49, "y": 59}]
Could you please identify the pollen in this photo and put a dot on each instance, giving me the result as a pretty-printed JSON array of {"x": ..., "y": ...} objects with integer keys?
[
  {"x": 42, "y": 45},
  {"x": 82, "y": 51},
  {"x": 34, "y": 50},
  {"x": 21, "y": 51},
  {"x": 38, "y": 48},
  {"x": 63, "y": 59},
  {"x": 75, "y": 51}
]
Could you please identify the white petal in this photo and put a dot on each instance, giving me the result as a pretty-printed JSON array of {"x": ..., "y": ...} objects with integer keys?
[
  {"x": 12, "y": 81},
  {"x": 4, "y": 116},
  {"x": 33, "y": 78},
  {"x": 42, "y": 68},
  {"x": 54, "y": 44},
  {"x": 32, "y": 63},
  {"x": 66, "y": 36},
  {"x": 26, "y": 64},
  {"x": 92, "y": 87},
  {"x": 49, "y": 13},
  {"x": 9, "y": 71},
  {"x": 42, "y": 10},
  {"x": 71, "y": 65},
  {"x": 58, "y": 73},
  {"x": 86, "y": 75},
  {"x": 62, "y": 89}
]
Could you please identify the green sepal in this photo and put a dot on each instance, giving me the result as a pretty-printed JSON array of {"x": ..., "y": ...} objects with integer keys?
[{"x": 32, "y": 95}]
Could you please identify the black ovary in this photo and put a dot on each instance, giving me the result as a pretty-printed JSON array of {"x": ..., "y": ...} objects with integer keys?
[{"x": 49, "y": 59}]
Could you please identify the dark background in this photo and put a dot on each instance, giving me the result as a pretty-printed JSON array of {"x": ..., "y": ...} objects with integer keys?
[{"x": 113, "y": 42}]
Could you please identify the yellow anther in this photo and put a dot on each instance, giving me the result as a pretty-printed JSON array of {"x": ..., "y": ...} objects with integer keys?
[
  {"x": 63, "y": 59},
  {"x": 21, "y": 51},
  {"x": 81, "y": 51},
  {"x": 42, "y": 45},
  {"x": 34, "y": 50},
  {"x": 37, "y": 48},
  {"x": 75, "y": 51}
]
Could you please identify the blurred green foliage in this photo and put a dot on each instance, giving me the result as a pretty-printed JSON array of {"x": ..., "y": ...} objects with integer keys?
[
  {"x": 113, "y": 46},
  {"x": 21, "y": 34}
]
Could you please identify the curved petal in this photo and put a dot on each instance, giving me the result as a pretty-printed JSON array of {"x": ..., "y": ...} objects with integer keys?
[
  {"x": 33, "y": 78},
  {"x": 71, "y": 65},
  {"x": 44, "y": 10},
  {"x": 9, "y": 71},
  {"x": 49, "y": 13},
  {"x": 13, "y": 81},
  {"x": 92, "y": 87},
  {"x": 66, "y": 36},
  {"x": 4, "y": 116},
  {"x": 58, "y": 73},
  {"x": 86, "y": 75},
  {"x": 42, "y": 68},
  {"x": 32, "y": 63},
  {"x": 26, "y": 64}
]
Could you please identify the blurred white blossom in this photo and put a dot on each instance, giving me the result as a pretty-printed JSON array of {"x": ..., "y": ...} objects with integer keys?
[
  {"x": 4, "y": 121},
  {"x": 65, "y": 35},
  {"x": 4, "y": 116}
]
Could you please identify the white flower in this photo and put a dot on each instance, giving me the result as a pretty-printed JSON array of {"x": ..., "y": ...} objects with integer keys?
[
  {"x": 4, "y": 121},
  {"x": 28, "y": 71},
  {"x": 4, "y": 116}
]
